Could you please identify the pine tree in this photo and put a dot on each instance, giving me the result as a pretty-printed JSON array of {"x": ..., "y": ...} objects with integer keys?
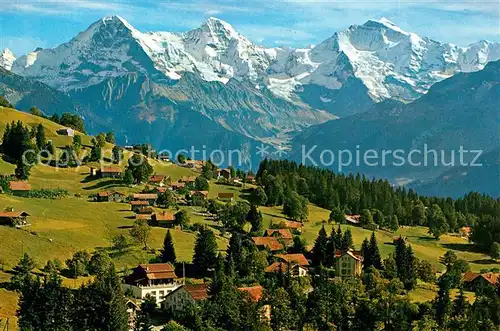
[
  {"x": 338, "y": 237},
  {"x": 366, "y": 253},
  {"x": 40, "y": 137},
  {"x": 205, "y": 249},
  {"x": 331, "y": 248},
  {"x": 235, "y": 252},
  {"x": 347, "y": 241},
  {"x": 320, "y": 247},
  {"x": 375, "y": 252},
  {"x": 442, "y": 303},
  {"x": 168, "y": 254},
  {"x": 22, "y": 273},
  {"x": 254, "y": 217}
]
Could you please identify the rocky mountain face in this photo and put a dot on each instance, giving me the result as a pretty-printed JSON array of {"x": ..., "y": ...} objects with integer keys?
[{"x": 461, "y": 111}]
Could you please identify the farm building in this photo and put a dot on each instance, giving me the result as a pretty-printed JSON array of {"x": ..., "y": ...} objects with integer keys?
[
  {"x": 110, "y": 196},
  {"x": 270, "y": 243},
  {"x": 14, "y": 218},
  {"x": 136, "y": 205},
  {"x": 66, "y": 132},
  {"x": 164, "y": 219},
  {"x": 109, "y": 172},
  {"x": 149, "y": 197},
  {"x": 20, "y": 188}
]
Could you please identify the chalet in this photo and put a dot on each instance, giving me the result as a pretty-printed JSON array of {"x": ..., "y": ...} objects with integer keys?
[
  {"x": 352, "y": 219},
  {"x": 348, "y": 263},
  {"x": 66, "y": 132},
  {"x": 225, "y": 196},
  {"x": 109, "y": 172},
  {"x": 235, "y": 181},
  {"x": 20, "y": 188},
  {"x": 293, "y": 226},
  {"x": 478, "y": 282},
  {"x": 279, "y": 267},
  {"x": 283, "y": 234},
  {"x": 177, "y": 186},
  {"x": 270, "y": 243},
  {"x": 224, "y": 173},
  {"x": 136, "y": 205},
  {"x": 149, "y": 197},
  {"x": 255, "y": 294},
  {"x": 194, "y": 164},
  {"x": 155, "y": 279},
  {"x": 110, "y": 196},
  {"x": 14, "y": 218},
  {"x": 299, "y": 259},
  {"x": 184, "y": 296},
  {"x": 164, "y": 219},
  {"x": 158, "y": 180}
]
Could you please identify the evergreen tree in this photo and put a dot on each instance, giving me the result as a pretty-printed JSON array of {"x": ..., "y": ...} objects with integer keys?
[
  {"x": 366, "y": 218},
  {"x": 259, "y": 196},
  {"x": 320, "y": 247},
  {"x": 40, "y": 137},
  {"x": 281, "y": 313},
  {"x": 366, "y": 253},
  {"x": 347, "y": 241},
  {"x": 117, "y": 152},
  {"x": 235, "y": 253},
  {"x": 205, "y": 249},
  {"x": 375, "y": 252},
  {"x": 110, "y": 138},
  {"x": 442, "y": 303},
  {"x": 22, "y": 273},
  {"x": 331, "y": 248},
  {"x": 338, "y": 238},
  {"x": 254, "y": 217},
  {"x": 418, "y": 214},
  {"x": 168, "y": 254}
]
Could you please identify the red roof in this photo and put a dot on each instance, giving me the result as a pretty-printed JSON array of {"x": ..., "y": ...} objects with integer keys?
[
  {"x": 14, "y": 214},
  {"x": 283, "y": 233},
  {"x": 293, "y": 225},
  {"x": 277, "y": 267},
  {"x": 159, "y": 270},
  {"x": 145, "y": 196},
  {"x": 268, "y": 242},
  {"x": 490, "y": 277},
  {"x": 165, "y": 217},
  {"x": 197, "y": 291},
  {"x": 157, "y": 178},
  {"x": 143, "y": 217},
  {"x": 139, "y": 203},
  {"x": 160, "y": 189},
  {"x": 19, "y": 186},
  {"x": 299, "y": 259},
  {"x": 255, "y": 292}
]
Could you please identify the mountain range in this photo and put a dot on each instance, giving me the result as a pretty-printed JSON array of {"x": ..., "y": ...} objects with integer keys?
[{"x": 214, "y": 87}]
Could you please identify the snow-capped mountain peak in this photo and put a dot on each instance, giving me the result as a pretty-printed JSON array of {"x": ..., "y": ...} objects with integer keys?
[
  {"x": 7, "y": 58},
  {"x": 389, "y": 61}
]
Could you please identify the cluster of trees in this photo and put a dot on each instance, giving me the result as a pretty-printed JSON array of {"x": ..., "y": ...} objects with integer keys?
[
  {"x": 325, "y": 246},
  {"x": 18, "y": 139},
  {"x": 44, "y": 304},
  {"x": 379, "y": 202},
  {"x": 70, "y": 120}
]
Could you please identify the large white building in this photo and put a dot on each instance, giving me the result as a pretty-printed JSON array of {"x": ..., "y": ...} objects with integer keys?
[{"x": 157, "y": 280}]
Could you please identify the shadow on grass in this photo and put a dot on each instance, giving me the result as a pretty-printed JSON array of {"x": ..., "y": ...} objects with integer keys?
[
  {"x": 484, "y": 261},
  {"x": 124, "y": 227},
  {"x": 106, "y": 184},
  {"x": 462, "y": 247},
  {"x": 89, "y": 178}
]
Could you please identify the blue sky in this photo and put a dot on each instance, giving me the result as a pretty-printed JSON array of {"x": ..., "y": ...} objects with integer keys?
[{"x": 25, "y": 25}]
